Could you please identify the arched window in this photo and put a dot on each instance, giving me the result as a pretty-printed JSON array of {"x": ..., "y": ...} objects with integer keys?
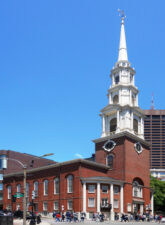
[
  {"x": 56, "y": 185},
  {"x": 18, "y": 188},
  {"x": 36, "y": 188},
  {"x": 45, "y": 187},
  {"x": 9, "y": 192},
  {"x": 137, "y": 188},
  {"x": 113, "y": 125},
  {"x": 70, "y": 184},
  {"x": 135, "y": 125},
  {"x": 115, "y": 99},
  {"x": 116, "y": 79},
  {"x": 110, "y": 161}
]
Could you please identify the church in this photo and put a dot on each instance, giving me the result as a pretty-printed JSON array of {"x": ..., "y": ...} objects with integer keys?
[{"x": 116, "y": 180}]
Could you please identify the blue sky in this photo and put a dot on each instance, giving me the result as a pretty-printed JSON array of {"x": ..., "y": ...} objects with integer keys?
[{"x": 55, "y": 61}]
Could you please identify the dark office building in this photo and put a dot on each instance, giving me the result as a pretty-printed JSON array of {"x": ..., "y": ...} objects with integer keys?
[{"x": 154, "y": 132}]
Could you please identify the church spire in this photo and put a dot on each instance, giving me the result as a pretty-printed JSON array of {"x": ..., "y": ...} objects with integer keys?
[{"x": 122, "y": 46}]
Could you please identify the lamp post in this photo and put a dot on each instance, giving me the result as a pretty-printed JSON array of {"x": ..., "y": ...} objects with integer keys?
[{"x": 24, "y": 166}]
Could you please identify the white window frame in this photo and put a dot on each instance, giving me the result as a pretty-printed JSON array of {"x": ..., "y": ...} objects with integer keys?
[
  {"x": 9, "y": 192},
  {"x": 56, "y": 208},
  {"x": 46, "y": 188},
  {"x": 36, "y": 188},
  {"x": 116, "y": 204},
  {"x": 55, "y": 185},
  {"x": 45, "y": 208},
  {"x": 70, "y": 184},
  {"x": 139, "y": 190},
  {"x": 102, "y": 189},
  {"x": 91, "y": 186},
  {"x": 68, "y": 204},
  {"x": 18, "y": 188},
  {"x": 89, "y": 203}
]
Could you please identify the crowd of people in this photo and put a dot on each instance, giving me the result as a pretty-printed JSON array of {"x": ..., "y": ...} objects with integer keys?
[
  {"x": 137, "y": 217},
  {"x": 69, "y": 217}
]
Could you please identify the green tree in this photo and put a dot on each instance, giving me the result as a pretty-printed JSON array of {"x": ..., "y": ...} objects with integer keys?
[{"x": 158, "y": 187}]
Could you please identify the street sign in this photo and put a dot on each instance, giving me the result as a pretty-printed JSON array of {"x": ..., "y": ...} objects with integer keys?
[{"x": 18, "y": 195}]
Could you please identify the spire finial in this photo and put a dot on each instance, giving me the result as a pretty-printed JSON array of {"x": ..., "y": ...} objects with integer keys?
[
  {"x": 122, "y": 47},
  {"x": 122, "y": 14}
]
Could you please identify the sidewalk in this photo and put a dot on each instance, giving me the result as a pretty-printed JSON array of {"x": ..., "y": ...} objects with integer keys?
[{"x": 20, "y": 222}]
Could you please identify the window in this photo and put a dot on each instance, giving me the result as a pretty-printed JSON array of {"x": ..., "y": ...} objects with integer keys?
[
  {"x": 1, "y": 187},
  {"x": 137, "y": 189},
  {"x": 104, "y": 202},
  {"x": 56, "y": 185},
  {"x": 9, "y": 192},
  {"x": 36, "y": 188},
  {"x": 3, "y": 162},
  {"x": 116, "y": 189},
  {"x": 18, "y": 188},
  {"x": 91, "y": 202},
  {"x": 116, "y": 203},
  {"x": 110, "y": 161},
  {"x": 1, "y": 176},
  {"x": 70, "y": 184},
  {"x": 1, "y": 196},
  {"x": 104, "y": 188},
  {"x": 45, "y": 206},
  {"x": 56, "y": 205},
  {"x": 135, "y": 125},
  {"x": 115, "y": 99},
  {"x": 27, "y": 189},
  {"x": 117, "y": 79},
  {"x": 113, "y": 125},
  {"x": 70, "y": 204},
  {"x": 45, "y": 187},
  {"x": 91, "y": 188}
]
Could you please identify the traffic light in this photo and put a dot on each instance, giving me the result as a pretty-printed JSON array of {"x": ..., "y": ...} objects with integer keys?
[
  {"x": 13, "y": 198},
  {"x": 33, "y": 195}
]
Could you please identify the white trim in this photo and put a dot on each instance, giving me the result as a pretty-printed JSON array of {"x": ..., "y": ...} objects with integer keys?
[{"x": 98, "y": 197}]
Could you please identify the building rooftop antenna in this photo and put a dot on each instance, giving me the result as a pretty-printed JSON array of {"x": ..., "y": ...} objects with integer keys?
[{"x": 152, "y": 101}]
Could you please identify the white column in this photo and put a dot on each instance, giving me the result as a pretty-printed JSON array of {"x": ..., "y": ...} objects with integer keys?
[
  {"x": 103, "y": 125},
  {"x": 152, "y": 204},
  {"x": 121, "y": 198},
  {"x": 141, "y": 126},
  {"x": 110, "y": 98},
  {"x": 130, "y": 97},
  {"x": 131, "y": 120},
  {"x": 111, "y": 201},
  {"x": 98, "y": 197},
  {"x": 118, "y": 121},
  {"x": 141, "y": 209},
  {"x": 84, "y": 197}
]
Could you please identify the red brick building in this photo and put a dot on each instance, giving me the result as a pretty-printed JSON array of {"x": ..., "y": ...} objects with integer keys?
[{"x": 116, "y": 180}]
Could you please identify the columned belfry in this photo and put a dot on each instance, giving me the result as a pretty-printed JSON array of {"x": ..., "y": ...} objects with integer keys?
[{"x": 122, "y": 112}]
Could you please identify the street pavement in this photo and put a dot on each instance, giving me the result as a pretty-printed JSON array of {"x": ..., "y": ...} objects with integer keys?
[
  {"x": 46, "y": 221},
  {"x": 51, "y": 221}
]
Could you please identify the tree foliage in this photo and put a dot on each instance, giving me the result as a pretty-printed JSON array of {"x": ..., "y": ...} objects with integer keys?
[{"x": 158, "y": 187}]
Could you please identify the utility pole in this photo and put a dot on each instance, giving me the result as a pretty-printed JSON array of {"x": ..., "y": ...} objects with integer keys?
[{"x": 24, "y": 197}]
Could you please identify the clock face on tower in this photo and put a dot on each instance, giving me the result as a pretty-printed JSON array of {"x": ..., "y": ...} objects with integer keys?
[
  {"x": 138, "y": 147},
  {"x": 109, "y": 145}
]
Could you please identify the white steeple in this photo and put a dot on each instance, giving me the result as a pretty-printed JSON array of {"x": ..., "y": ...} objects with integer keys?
[
  {"x": 122, "y": 112},
  {"x": 122, "y": 46}
]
